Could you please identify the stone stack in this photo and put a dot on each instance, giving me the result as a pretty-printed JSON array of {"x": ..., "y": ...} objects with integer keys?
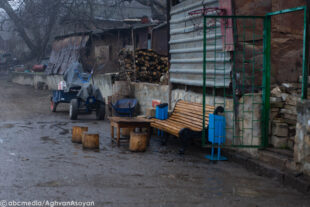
[{"x": 283, "y": 115}]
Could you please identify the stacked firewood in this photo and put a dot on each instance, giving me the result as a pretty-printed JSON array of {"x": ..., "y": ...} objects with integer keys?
[
  {"x": 149, "y": 66},
  {"x": 125, "y": 59}
]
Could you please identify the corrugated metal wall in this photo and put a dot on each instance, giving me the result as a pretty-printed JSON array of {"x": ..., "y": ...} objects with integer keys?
[{"x": 186, "y": 47}]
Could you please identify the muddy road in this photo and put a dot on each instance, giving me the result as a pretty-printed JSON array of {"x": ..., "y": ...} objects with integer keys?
[{"x": 39, "y": 162}]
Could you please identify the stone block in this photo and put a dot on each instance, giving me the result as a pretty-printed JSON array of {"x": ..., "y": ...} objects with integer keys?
[
  {"x": 279, "y": 142},
  {"x": 284, "y": 96},
  {"x": 249, "y": 111},
  {"x": 288, "y": 113},
  {"x": 279, "y": 129},
  {"x": 291, "y": 142},
  {"x": 276, "y": 92},
  {"x": 274, "y": 114},
  {"x": 291, "y": 109},
  {"x": 292, "y": 100}
]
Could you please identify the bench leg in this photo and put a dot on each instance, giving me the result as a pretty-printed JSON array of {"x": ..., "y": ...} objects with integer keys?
[
  {"x": 186, "y": 135},
  {"x": 185, "y": 142}
]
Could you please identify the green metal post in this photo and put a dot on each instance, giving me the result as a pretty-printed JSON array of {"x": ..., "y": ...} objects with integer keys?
[
  {"x": 266, "y": 80},
  {"x": 204, "y": 80},
  {"x": 304, "y": 92}
]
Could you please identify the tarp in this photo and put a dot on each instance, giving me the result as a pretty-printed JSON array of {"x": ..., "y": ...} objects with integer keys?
[
  {"x": 64, "y": 52},
  {"x": 76, "y": 78}
]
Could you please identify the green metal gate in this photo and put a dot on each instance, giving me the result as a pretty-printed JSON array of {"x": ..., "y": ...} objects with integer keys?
[{"x": 246, "y": 100}]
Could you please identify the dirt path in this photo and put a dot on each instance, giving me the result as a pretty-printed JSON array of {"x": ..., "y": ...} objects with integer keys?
[{"x": 39, "y": 162}]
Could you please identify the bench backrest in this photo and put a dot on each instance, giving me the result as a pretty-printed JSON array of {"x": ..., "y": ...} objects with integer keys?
[{"x": 191, "y": 114}]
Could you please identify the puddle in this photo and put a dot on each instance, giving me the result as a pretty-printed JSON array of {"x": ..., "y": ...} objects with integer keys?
[
  {"x": 48, "y": 184},
  {"x": 8, "y": 126},
  {"x": 86, "y": 156},
  {"x": 64, "y": 131},
  {"x": 1, "y": 141},
  {"x": 28, "y": 127},
  {"x": 46, "y": 139},
  {"x": 91, "y": 150},
  {"x": 246, "y": 192}
]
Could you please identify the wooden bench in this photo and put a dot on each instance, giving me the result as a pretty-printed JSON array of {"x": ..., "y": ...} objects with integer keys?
[{"x": 185, "y": 121}]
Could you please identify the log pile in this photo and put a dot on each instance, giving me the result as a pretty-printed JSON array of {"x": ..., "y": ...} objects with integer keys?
[{"x": 149, "y": 66}]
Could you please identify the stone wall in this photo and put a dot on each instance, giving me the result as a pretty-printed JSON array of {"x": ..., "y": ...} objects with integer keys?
[
  {"x": 146, "y": 92},
  {"x": 302, "y": 138},
  {"x": 143, "y": 92},
  {"x": 283, "y": 115},
  {"x": 50, "y": 82}
]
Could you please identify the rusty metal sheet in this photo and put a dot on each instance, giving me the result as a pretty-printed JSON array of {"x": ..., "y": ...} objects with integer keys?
[
  {"x": 228, "y": 39},
  {"x": 64, "y": 52}
]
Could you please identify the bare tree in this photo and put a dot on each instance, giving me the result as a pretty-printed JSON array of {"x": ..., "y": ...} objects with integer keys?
[
  {"x": 34, "y": 20},
  {"x": 37, "y": 20}
]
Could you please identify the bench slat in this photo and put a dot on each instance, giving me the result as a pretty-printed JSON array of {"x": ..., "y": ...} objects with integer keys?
[
  {"x": 183, "y": 124},
  {"x": 189, "y": 119}
]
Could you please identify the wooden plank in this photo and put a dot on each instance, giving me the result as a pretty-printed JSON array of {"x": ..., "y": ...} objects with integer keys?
[
  {"x": 180, "y": 123},
  {"x": 164, "y": 127},
  {"x": 193, "y": 112},
  {"x": 190, "y": 113},
  {"x": 184, "y": 125},
  {"x": 129, "y": 120},
  {"x": 163, "y": 123},
  {"x": 189, "y": 119}
]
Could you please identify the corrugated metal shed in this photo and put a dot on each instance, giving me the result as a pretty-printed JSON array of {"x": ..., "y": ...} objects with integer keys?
[{"x": 186, "y": 47}]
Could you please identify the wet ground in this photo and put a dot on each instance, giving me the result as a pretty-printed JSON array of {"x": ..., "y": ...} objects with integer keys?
[{"x": 39, "y": 162}]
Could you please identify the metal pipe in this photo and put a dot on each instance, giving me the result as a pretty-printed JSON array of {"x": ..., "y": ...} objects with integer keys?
[
  {"x": 266, "y": 80},
  {"x": 305, "y": 57},
  {"x": 287, "y": 11},
  {"x": 203, "y": 139}
]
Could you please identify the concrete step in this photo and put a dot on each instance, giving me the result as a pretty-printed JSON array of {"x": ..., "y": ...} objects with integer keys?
[
  {"x": 268, "y": 167},
  {"x": 281, "y": 159}
]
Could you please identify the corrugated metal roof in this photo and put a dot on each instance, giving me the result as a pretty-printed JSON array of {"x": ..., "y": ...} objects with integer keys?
[
  {"x": 186, "y": 47},
  {"x": 64, "y": 52}
]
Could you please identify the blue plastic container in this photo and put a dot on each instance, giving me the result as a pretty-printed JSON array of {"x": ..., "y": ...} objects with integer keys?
[
  {"x": 162, "y": 111},
  {"x": 216, "y": 136},
  {"x": 162, "y": 114},
  {"x": 216, "y": 129}
]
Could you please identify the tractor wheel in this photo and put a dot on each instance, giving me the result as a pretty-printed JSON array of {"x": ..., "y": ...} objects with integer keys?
[
  {"x": 74, "y": 109},
  {"x": 100, "y": 111},
  {"x": 53, "y": 106}
]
